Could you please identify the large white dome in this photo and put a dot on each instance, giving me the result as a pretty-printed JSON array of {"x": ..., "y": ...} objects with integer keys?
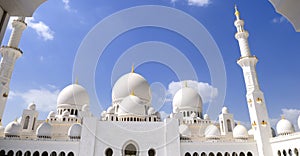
[
  {"x": 13, "y": 129},
  {"x": 44, "y": 130},
  {"x": 132, "y": 105},
  {"x": 73, "y": 94},
  {"x": 240, "y": 132},
  {"x": 131, "y": 82},
  {"x": 187, "y": 99},
  {"x": 284, "y": 127}
]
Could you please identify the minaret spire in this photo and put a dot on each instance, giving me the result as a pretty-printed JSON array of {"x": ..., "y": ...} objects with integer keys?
[
  {"x": 255, "y": 97},
  {"x": 10, "y": 54}
]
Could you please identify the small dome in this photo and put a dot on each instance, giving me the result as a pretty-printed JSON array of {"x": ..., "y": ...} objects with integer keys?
[
  {"x": 85, "y": 108},
  {"x": 151, "y": 111},
  {"x": 31, "y": 106},
  {"x": 51, "y": 114},
  {"x": 103, "y": 114},
  {"x": 44, "y": 130},
  {"x": 240, "y": 132},
  {"x": 132, "y": 105},
  {"x": 224, "y": 110},
  {"x": 206, "y": 117},
  {"x": 110, "y": 110},
  {"x": 212, "y": 132},
  {"x": 75, "y": 131},
  {"x": 185, "y": 131},
  {"x": 251, "y": 131},
  {"x": 131, "y": 82},
  {"x": 187, "y": 99},
  {"x": 299, "y": 121},
  {"x": 284, "y": 127},
  {"x": 13, "y": 129},
  {"x": 73, "y": 94},
  {"x": 66, "y": 113}
]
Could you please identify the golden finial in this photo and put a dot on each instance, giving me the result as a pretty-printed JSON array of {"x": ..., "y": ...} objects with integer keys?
[
  {"x": 237, "y": 13},
  {"x": 282, "y": 117},
  {"x": 185, "y": 84},
  {"x": 47, "y": 120},
  {"x": 132, "y": 93},
  {"x": 132, "y": 68},
  {"x": 238, "y": 123},
  {"x": 76, "y": 80},
  {"x": 16, "y": 119}
]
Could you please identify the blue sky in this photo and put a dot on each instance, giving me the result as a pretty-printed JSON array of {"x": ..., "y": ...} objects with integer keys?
[{"x": 58, "y": 27}]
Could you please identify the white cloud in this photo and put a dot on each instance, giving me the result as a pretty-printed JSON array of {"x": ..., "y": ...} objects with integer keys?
[
  {"x": 43, "y": 30},
  {"x": 278, "y": 19},
  {"x": 67, "y": 4},
  {"x": 200, "y": 3},
  {"x": 206, "y": 91},
  {"x": 45, "y": 99}
]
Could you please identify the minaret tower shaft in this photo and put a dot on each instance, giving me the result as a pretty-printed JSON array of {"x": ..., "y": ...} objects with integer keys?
[
  {"x": 255, "y": 97},
  {"x": 10, "y": 54}
]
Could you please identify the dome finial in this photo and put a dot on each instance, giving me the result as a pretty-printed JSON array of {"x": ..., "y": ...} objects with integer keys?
[
  {"x": 132, "y": 93},
  {"x": 282, "y": 117},
  {"x": 185, "y": 84},
  {"x": 237, "y": 13},
  {"x": 76, "y": 80},
  {"x": 132, "y": 68},
  {"x": 47, "y": 120}
]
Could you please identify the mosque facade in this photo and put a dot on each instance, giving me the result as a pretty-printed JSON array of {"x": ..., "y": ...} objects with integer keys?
[{"x": 132, "y": 127}]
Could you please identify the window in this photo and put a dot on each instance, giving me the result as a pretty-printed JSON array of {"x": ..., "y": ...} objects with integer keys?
[
  {"x": 210, "y": 154},
  {"x": 195, "y": 154},
  {"x": 131, "y": 150},
  {"x": 19, "y": 153},
  {"x": 26, "y": 122},
  {"x": 53, "y": 154},
  {"x": 2, "y": 153},
  {"x": 242, "y": 154},
  {"x": 10, "y": 153},
  {"x": 36, "y": 153},
  {"x": 34, "y": 119},
  {"x": 229, "y": 125},
  {"x": 27, "y": 153},
  {"x": 109, "y": 152},
  {"x": 45, "y": 153},
  {"x": 234, "y": 154},
  {"x": 296, "y": 152},
  {"x": 187, "y": 154},
  {"x": 290, "y": 152},
  {"x": 62, "y": 154},
  {"x": 249, "y": 154},
  {"x": 203, "y": 154},
  {"x": 279, "y": 153},
  {"x": 70, "y": 154},
  {"x": 284, "y": 152},
  {"x": 226, "y": 154},
  {"x": 219, "y": 154},
  {"x": 151, "y": 152}
]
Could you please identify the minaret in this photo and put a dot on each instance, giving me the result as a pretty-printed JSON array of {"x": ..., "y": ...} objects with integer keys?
[
  {"x": 9, "y": 55},
  {"x": 255, "y": 97}
]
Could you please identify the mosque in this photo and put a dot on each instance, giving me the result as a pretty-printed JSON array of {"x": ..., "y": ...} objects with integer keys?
[{"x": 132, "y": 127}]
